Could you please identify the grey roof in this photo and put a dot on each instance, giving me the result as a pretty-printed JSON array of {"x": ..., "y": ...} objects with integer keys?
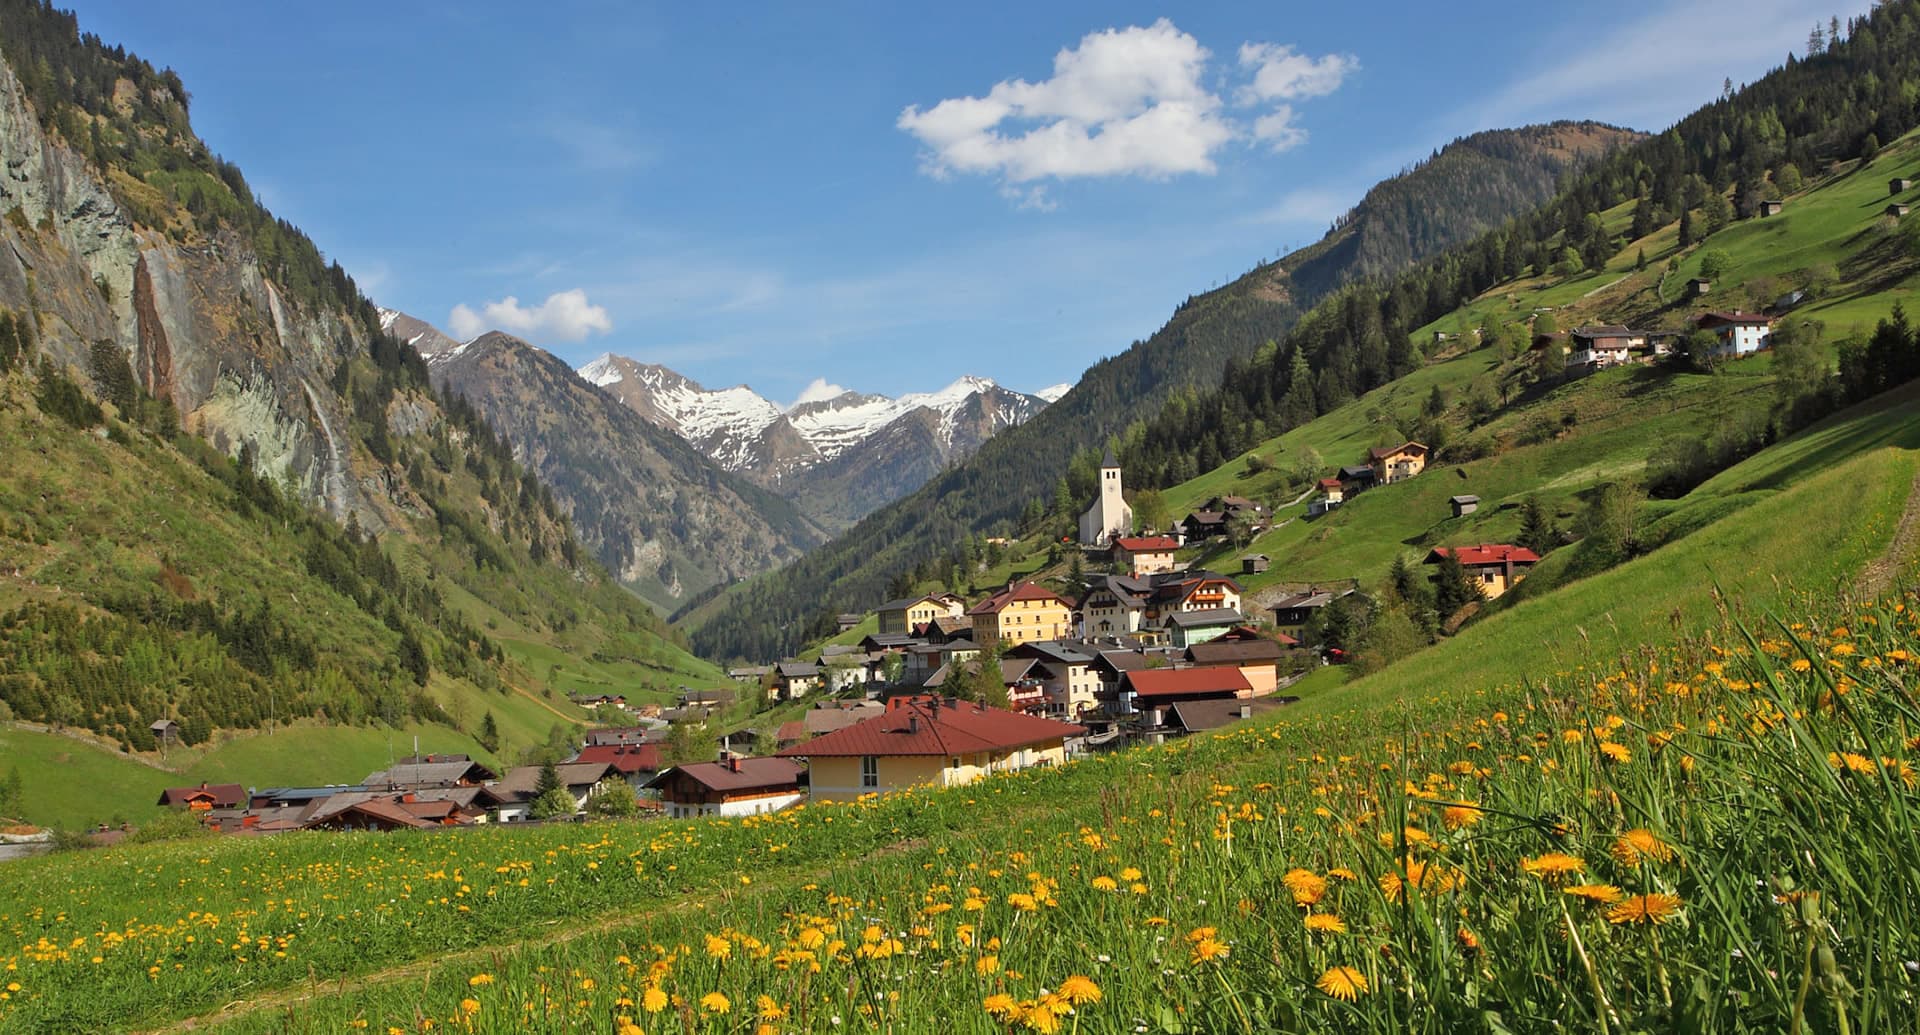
[
  {"x": 1319, "y": 598},
  {"x": 1463, "y": 499},
  {"x": 1224, "y": 651},
  {"x": 1356, "y": 471},
  {"x": 890, "y": 639},
  {"x": 1013, "y": 670},
  {"x": 1055, "y": 650},
  {"x": 903, "y": 603},
  {"x": 1208, "y": 617},
  {"x": 292, "y": 794},
  {"x": 427, "y": 774},
  {"x": 1109, "y": 460},
  {"x": 520, "y": 781},
  {"x": 797, "y": 669},
  {"x": 1195, "y": 716}
]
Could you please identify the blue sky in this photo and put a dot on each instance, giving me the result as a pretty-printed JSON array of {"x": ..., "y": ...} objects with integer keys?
[{"x": 774, "y": 194}]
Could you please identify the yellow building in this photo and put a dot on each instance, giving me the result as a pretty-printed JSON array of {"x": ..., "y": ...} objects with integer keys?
[
  {"x": 1397, "y": 463},
  {"x": 910, "y": 613},
  {"x": 928, "y": 742},
  {"x": 1494, "y": 567},
  {"x": 1021, "y": 614}
]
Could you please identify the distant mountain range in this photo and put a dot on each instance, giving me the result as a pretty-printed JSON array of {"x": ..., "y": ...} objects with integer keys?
[{"x": 836, "y": 459}]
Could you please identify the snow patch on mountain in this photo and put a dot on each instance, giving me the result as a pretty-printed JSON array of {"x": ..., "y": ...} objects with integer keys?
[{"x": 1052, "y": 393}]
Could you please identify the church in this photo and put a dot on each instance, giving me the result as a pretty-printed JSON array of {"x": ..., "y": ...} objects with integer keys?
[{"x": 1109, "y": 516}]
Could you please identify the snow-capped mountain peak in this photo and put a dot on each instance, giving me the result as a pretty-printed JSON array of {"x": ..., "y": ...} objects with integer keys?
[{"x": 1052, "y": 393}]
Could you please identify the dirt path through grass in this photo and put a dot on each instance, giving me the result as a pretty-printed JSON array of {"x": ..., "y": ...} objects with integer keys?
[{"x": 1879, "y": 575}]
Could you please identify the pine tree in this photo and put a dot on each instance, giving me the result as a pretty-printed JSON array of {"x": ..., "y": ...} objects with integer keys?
[
  {"x": 1536, "y": 529},
  {"x": 489, "y": 732},
  {"x": 1453, "y": 588},
  {"x": 549, "y": 779},
  {"x": 1686, "y": 227}
]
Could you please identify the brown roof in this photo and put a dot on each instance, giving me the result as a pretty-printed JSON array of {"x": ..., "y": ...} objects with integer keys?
[
  {"x": 1717, "y": 318},
  {"x": 933, "y": 726},
  {"x": 1024, "y": 591},
  {"x": 1237, "y": 652},
  {"x": 750, "y": 774},
  {"x": 221, "y": 795},
  {"x": 1382, "y": 452},
  {"x": 1188, "y": 682}
]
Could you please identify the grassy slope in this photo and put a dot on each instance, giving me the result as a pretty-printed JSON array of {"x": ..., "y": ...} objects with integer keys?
[{"x": 1812, "y": 528}]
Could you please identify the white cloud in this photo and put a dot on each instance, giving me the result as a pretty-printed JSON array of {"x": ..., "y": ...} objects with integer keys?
[
  {"x": 1308, "y": 205},
  {"x": 1123, "y": 102},
  {"x": 1281, "y": 73},
  {"x": 819, "y": 390},
  {"x": 564, "y": 316}
]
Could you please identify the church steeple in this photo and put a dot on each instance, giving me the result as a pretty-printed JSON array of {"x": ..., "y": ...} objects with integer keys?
[{"x": 1109, "y": 516}]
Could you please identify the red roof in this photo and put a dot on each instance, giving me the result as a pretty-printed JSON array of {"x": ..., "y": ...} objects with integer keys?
[
  {"x": 931, "y": 726},
  {"x": 1485, "y": 553},
  {"x": 1329, "y": 483},
  {"x": 1186, "y": 682},
  {"x": 1146, "y": 544},
  {"x": 627, "y": 758},
  {"x": 1024, "y": 591}
]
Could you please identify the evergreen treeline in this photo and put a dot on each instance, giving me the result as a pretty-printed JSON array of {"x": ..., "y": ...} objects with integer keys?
[{"x": 1018, "y": 471}]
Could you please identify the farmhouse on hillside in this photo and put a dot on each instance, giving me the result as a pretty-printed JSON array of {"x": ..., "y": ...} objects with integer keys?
[
  {"x": 734, "y": 787},
  {"x": 910, "y": 613},
  {"x": 1141, "y": 556},
  {"x": 1496, "y": 567},
  {"x": 1739, "y": 333},
  {"x": 1397, "y": 463}
]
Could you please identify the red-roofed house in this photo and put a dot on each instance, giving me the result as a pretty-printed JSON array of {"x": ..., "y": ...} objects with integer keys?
[
  {"x": 636, "y": 763},
  {"x": 1144, "y": 555},
  {"x": 1497, "y": 567},
  {"x": 205, "y": 797},
  {"x": 1158, "y": 687},
  {"x": 922, "y": 741},
  {"x": 734, "y": 787},
  {"x": 1021, "y": 614},
  {"x": 1740, "y": 333}
]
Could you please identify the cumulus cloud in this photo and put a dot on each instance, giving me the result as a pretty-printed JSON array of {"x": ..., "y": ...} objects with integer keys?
[
  {"x": 564, "y": 316},
  {"x": 1123, "y": 102},
  {"x": 1281, "y": 73},
  {"x": 819, "y": 390}
]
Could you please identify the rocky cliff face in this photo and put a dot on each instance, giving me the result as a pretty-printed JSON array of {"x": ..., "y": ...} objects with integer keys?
[
  {"x": 198, "y": 322},
  {"x": 662, "y": 516}
]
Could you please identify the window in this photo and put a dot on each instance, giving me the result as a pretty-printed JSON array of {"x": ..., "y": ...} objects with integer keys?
[
  {"x": 869, "y": 771},
  {"x": 1488, "y": 577}
]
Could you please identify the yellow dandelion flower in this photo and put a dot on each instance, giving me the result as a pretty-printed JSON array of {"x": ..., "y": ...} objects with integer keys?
[
  {"x": 1640, "y": 844},
  {"x": 1605, "y": 894},
  {"x": 986, "y": 965},
  {"x": 718, "y": 948},
  {"x": 480, "y": 979},
  {"x": 1079, "y": 990},
  {"x": 714, "y": 1002},
  {"x": 1105, "y": 883},
  {"x": 768, "y": 1008},
  {"x": 1156, "y": 921},
  {"x": 1130, "y": 874},
  {"x": 1645, "y": 909},
  {"x": 1001, "y": 1006},
  {"x": 1342, "y": 983},
  {"x": 1554, "y": 867},
  {"x": 469, "y": 1006},
  {"x": 1616, "y": 752},
  {"x": 1454, "y": 817},
  {"x": 654, "y": 1000},
  {"x": 1849, "y": 760},
  {"x": 625, "y": 1026},
  {"x": 1325, "y": 923},
  {"x": 1342, "y": 873},
  {"x": 1207, "y": 950}
]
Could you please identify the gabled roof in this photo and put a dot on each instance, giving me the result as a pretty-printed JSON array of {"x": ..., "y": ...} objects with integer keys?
[
  {"x": 626, "y": 758},
  {"x": 1295, "y": 601},
  {"x": 1332, "y": 483},
  {"x": 430, "y": 774},
  {"x": 797, "y": 669},
  {"x": 520, "y": 781},
  {"x": 1204, "y": 619},
  {"x": 1024, "y": 591},
  {"x": 1198, "y": 716},
  {"x": 1463, "y": 499},
  {"x": 904, "y": 603},
  {"x": 1721, "y": 318},
  {"x": 219, "y": 795},
  {"x": 1238, "y": 652},
  {"x": 1603, "y": 330},
  {"x": 1053, "y": 650},
  {"x": 1146, "y": 544},
  {"x": 826, "y": 720},
  {"x": 1013, "y": 670},
  {"x": 1356, "y": 472},
  {"x": 933, "y": 726},
  {"x": 1188, "y": 682},
  {"x": 1382, "y": 452},
  {"x": 1485, "y": 553},
  {"x": 738, "y": 774},
  {"x": 384, "y": 810},
  {"x": 883, "y": 641}
]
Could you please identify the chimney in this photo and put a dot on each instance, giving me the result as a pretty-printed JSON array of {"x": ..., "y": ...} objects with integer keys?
[
  {"x": 733, "y": 762},
  {"x": 913, "y": 723}
]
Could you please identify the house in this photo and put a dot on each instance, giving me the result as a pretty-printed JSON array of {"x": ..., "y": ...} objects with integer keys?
[
  {"x": 165, "y": 731},
  {"x": 598, "y": 700},
  {"x": 1186, "y": 628},
  {"x": 1897, "y": 210},
  {"x": 739, "y": 742},
  {"x": 424, "y": 771},
  {"x": 712, "y": 700},
  {"x": 274, "y": 799},
  {"x": 1021, "y": 613},
  {"x": 926, "y": 660},
  {"x": 516, "y": 791},
  {"x": 1771, "y": 208},
  {"x": 946, "y": 628},
  {"x": 1598, "y": 347},
  {"x": 402, "y": 811},
  {"x": 1397, "y": 463},
  {"x": 1064, "y": 669},
  {"x": 794, "y": 678},
  {"x": 1698, "y": 286},
  {"x": 883, "y": 643},
  {"x": 1463, "y": 505},
  {"x": 1898, "y": 185},
  {"x": 1355, "y": 479},
  {"x": 1202, "y": 524},
  {"x": 1141, "y": 556},
  {"x": 1143, "y": 690},
  {"x": 929, "y": 741},
  {"x": 1215, "y": 517},
  {"x": 1255, "y": 563},
  {"x": 1110, "y": 515},
  {"x": 1294, "y": 614},
  {"x": 205, "y": 797},
  {"x": 636, "y": 763},
  {"x": 1190, "y": 717},
  {"x": 750, "y": 673},
  {"x": 906, "y": 615},
  {"x": 1026, "y": 692},
  {"x": 1496, "y": 567},
  {"x": 1740, "y": 334},
  {"x": 1333, "y": 492},
  {"x": 1114, "y": 605},
  {"x": 847, "y": 620},
  {"x": 1257, "y": 657},
  {"x": 610, "y": 735},
  {"x": 734, "y": 787},
  {"x": 1191, "y": 590}
]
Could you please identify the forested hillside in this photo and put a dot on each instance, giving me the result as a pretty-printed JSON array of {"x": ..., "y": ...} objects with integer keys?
[
  {"x": 230, "y": 498},
  {"x": 1407, "y": 218}
]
